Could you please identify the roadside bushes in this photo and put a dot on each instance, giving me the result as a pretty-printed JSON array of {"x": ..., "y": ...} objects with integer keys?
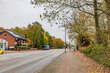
[
  {"x": 99, "y": 53},
  {"x": 82, "y": 49},
  {"x": 23, "y": 47}
]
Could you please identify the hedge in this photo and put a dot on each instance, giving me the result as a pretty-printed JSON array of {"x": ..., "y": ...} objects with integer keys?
[
  {"x": 23, "y": 47},
  {"x": 99, "y": 53}
]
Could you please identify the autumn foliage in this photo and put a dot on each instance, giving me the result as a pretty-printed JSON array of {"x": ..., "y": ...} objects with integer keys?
[{"x": 58, "y": 43}]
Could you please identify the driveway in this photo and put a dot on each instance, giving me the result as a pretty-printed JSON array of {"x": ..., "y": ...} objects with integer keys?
[{"x": 27, "y": 62}]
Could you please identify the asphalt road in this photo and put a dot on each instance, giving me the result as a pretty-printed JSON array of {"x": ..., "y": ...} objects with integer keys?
[{"x": 27, "y": 62}]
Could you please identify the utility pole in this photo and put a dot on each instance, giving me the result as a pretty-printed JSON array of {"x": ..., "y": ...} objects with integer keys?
[{"x": 65, "y": 38}]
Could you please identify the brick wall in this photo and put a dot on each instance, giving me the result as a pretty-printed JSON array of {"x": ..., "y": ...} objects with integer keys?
[{"x": 6, "y": 36}]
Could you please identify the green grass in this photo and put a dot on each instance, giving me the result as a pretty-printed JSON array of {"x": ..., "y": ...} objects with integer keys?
[{"x": 99, "y": 53}]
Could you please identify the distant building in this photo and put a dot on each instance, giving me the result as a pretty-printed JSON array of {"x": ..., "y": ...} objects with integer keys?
[{"x": 10, "y": 39}]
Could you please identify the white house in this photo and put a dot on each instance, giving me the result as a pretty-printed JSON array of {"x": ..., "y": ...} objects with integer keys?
[{"x": 3, "y": 44}]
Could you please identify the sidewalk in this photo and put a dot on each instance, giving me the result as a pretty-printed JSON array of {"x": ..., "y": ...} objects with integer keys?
[{"x": 74, "y": 62}]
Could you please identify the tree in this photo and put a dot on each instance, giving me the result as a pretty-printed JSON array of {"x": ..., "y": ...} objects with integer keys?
[
  {"x": 36, "y": 34},
  {"x": 58, "y": 10},
  {"x": 29, "y": 42},
  {"x": 1, "y": 29},
  {"x": 46, "y": 40},
  {"x": 108, "y": 15},
  {"x": 81, "y": 29},
  {"x": 58, "y": 43},
  {"x": 17, "y": 30},
  {"x": 51, "y": 41}
]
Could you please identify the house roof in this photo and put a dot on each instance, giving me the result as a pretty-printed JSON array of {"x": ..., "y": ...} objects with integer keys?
[{"x": 16, "y": 35}]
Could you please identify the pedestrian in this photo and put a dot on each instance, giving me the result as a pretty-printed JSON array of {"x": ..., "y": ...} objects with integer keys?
[{"x": 74, "y": 48}]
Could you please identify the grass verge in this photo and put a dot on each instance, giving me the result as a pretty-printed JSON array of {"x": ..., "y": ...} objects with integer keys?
[{"x": 99, "y": 53}]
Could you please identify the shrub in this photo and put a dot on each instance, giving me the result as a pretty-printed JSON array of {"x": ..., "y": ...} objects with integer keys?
[
  {"x": 23, "y": 47},
  {"x": 82, "y": 49},
  {"x": 99, "y": 53}
]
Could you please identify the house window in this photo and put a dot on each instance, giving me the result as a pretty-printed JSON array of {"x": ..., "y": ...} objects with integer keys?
[
  {"x": 23, "y": 41},
  {"x": 4, "y": 35}
]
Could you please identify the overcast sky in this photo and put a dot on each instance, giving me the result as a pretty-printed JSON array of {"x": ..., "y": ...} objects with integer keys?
[{"x": 20, "y": 13}]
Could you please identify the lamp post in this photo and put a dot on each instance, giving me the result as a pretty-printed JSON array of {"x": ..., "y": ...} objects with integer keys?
[
  {"x": 65, "y": 38},
  {"x": 65, "y": 22}
]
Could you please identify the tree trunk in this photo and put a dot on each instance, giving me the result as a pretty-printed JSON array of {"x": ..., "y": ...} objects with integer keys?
[
  {"x": 98, "y": 37},
  {"x": 108, "y": 16}
]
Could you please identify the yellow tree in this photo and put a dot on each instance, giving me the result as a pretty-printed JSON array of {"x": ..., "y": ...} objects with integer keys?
[
  {"x": 45, "y": 40},
  {"x": 81, "y": 29},
  {"x": 58, "y": 43},
  {"x": 29, "y": 42}
]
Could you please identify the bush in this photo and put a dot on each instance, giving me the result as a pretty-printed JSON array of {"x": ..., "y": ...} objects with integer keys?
[
  {"x": 82, "y": 49},
  {"x": 23, "y": 47},
  {"x": 99, "y": 53}
]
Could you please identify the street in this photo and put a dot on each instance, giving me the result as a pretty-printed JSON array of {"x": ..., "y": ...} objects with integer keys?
[{"x": 27, "y": 62}]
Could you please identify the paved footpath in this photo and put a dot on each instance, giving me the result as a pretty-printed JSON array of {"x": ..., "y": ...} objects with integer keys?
[{"x": 73, "y": 62}]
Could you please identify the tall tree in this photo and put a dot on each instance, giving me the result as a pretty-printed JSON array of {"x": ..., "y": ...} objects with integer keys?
[
  {"x": 58, "y": 10},
  {"x": 81, "y": 29},
  {"x": 108, "y": 15},
  {"x": 36, "y": 33}
]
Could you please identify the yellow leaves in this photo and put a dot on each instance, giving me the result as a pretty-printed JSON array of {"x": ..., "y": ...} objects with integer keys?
[
  {"x": 81, "y": 28},
  {"x": 58, "y": 43},
  {"x": 46, "y": 39},
  {"x": 29, "y": 42}
]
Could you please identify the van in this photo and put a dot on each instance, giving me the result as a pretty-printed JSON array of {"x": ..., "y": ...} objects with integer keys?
[{"x": 46, "y": 47}]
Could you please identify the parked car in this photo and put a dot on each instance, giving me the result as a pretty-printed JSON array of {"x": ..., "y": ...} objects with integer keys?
[
  {"x": 46, "y": 47},
  {"x": 1, "y": 51}
]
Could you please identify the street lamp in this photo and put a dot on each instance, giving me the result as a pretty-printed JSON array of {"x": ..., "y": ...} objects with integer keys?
[
  {"x": 65, "y": 22},
  {"x": 65, "y": 38}
]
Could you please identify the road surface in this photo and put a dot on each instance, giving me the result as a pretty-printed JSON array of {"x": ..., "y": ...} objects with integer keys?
[{"x": 27, "y": 62}]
